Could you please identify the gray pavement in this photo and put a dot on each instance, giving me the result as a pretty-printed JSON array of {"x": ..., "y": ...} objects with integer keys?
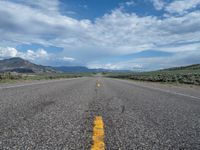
[{"x": 59, "y": 115}]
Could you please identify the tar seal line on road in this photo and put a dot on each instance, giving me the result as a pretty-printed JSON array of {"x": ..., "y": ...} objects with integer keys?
[{"x": 98, "y": 134}]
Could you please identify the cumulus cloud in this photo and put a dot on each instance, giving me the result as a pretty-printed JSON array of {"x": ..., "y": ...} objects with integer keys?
[
  {"x": 182, "y": 6},
  {"x": 158, "y": 4},
  {"x": 32, "y": 55},
  {"x": 6, "y": 52},
  {"x": 116, "y": 66},
  {"x": 67, "y": 59},
  {"x": 118, "y": 31},
  {"x": 130, "y": 3},
  {"x": 176, "y": 6},
  {"x": 115, "y": 33}
]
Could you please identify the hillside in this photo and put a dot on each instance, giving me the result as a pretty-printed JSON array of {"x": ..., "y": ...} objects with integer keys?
[
  {"x": 193, "y": 68},
  {"x": 20, "y": 65}
]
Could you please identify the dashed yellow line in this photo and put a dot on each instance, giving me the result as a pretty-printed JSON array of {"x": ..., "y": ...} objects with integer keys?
[
  {"x": 98, "y": 84},
  {"x": 98, "y": 134}
]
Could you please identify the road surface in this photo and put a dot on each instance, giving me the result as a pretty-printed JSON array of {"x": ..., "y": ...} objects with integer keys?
[{"x": 126, "y": 115}]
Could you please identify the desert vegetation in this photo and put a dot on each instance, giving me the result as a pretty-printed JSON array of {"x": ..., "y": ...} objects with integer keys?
[{"x": 185, "y": 75}]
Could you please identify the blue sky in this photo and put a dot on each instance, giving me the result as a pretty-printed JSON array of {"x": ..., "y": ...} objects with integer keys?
[{"x": 111, "y": 34}]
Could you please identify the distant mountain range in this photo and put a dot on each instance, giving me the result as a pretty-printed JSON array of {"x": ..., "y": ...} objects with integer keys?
[
  {"x": 71, "y": 69},
  {"x": 78, "y": 69},
  {"x": 20, "y": 65}
]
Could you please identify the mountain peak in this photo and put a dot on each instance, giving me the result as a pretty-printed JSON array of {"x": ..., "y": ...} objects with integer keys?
[
  {"x": 13, "y": 59},
  {"x": 17, "y": 64}
]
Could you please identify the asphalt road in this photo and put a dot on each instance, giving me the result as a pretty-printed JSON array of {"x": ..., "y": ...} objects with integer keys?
[{"x": 59, "y": 115}]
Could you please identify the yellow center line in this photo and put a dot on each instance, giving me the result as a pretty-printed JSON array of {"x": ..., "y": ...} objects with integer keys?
[
  {"x": 98, "y": 134},
  {"x": 98, "y": 84}
]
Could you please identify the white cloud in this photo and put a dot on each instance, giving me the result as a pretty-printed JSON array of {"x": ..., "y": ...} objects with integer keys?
[
  {"x": 130, "y": 3},
  {"x": 158, "y": 4},
  {"x": 116, "y": 66},
  {"x": 128, "y": 33},
  {"x": 153, "y": 63},
  {"x": 42, "y": 53},
  {"x": 183, "y": 48},
  {"x": 116, "y": 33},
  {"x": 178, "y": 59},
  {"x": 6, "y": 52},
  {"x": 70, "y": 59},
  {"x": 24, "y": 24},
  {"x": 176, "y": 6},
  {"x": 182, "y": 6},
  {"x": 49, "y": 6},
  {"x": 104, "y": 66},
  {"x": 32, "y": 55}
]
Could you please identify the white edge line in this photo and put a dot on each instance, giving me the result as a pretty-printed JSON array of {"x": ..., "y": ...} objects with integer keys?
[
  {"x": 43, "y": 82},
  {"x": 166, "y": 91}
]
